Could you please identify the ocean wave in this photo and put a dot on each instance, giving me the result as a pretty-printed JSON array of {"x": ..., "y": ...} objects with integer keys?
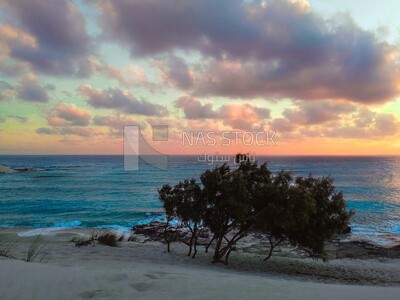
[
  {"x": 46, "y": 230},
  {"x": 8, "y": 170},
  {"x": 118, "y": 228}
]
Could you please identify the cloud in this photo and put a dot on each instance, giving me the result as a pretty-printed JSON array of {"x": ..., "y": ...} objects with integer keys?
[
  {"x": 12, "y": 68},
  {"x": 124, "y": 101},
  {"x": 46, "y": 130},
  {"x": 334, "y": 120},
  {"x": 308, "y": 113},
  {"x": 130, "y": 75},
  {"x": 64, "y": 114},
  {"x": 13, "y": 117},
  {"x": 244, "y": 116},
  {"x": 176, "y": 72},
  {"x": 238, "y": 116},
  {"x": 387, "y": 124},
  {"x": 79, "y": 131},
  {"x": 68, "y": 119},
  {"x": 116, "y": 123},
  {"x": 282, "y": 125},
  {"x": 6, "y": 91},
  {"x": 256, "y": 49},
  {"x": 194, "y": 109},
  {"x": 19, "y": 118},
  {"x": 49, "y": 35},
  {"x": 178, "y": 24},
  {"x": 30, "y": 91}
]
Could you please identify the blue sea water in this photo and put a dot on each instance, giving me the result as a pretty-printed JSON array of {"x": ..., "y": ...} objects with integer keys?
[{"x": 95, "y": 191}]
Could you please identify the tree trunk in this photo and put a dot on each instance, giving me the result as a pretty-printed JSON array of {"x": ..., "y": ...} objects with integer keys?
[
  {"x": 272, "y": 247},
  {"x": 217, "y": 255},
  {"x": 165, "y": 235},
  {"x": 191, "y": 243},
  {"x": 209, "y": 244}
]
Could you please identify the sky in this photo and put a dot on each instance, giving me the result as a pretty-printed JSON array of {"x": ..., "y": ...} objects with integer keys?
[{"x": 317, "y": 77}]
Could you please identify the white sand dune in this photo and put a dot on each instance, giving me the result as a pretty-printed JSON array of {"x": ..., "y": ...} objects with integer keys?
[{"x": 145, "y": 271}]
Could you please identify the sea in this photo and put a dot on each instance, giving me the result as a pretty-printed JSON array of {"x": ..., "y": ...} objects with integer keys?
[{"x": 48, "y": 193}]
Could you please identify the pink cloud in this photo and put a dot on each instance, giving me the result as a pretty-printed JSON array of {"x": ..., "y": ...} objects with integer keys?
[{"x": 64, "y": 114}]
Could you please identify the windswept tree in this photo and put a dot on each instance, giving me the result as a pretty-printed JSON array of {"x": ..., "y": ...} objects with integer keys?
[
  {"x": 185, "y": 205},
  {"x": 231, "y": 203},
  {"x": 228, "y": 208}
]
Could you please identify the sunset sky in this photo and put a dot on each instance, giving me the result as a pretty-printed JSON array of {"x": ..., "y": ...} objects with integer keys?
[{"x": 323, "y": 74}]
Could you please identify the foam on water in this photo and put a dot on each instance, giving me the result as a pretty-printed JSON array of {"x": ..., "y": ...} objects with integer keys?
[{"x": 56, "y": 227}]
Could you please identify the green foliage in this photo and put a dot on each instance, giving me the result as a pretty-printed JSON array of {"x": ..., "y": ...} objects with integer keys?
[
  {"x": 184, "y": 201},
  {"x": 306, "y": 212}
]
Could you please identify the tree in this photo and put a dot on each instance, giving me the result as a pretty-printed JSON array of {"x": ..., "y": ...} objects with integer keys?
[
  {"x": 228, "y": 208},
  {"x": 231, "y": 203},
  {"x": 184, "y": 204}
]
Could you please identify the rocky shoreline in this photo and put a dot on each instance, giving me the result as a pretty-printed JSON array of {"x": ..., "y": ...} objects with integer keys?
[{"x": 256, "y": 243}]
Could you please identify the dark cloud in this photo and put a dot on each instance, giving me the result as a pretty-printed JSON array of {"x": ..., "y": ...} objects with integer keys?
[
  {"x": 56, "y": 41},
  {"x": 32, "y": 92},
  {"x": 19, "y": 118},
  {"x": 151, "y": 27},
  {"x": 194, "y": 109},
  {"x": 176, "y": 72},
  {"x": 121, "y": 100},
  {"x": 46, "y": 130},
  {"x": 260, "y": 49},
  {"x": 79, "y": 131}
]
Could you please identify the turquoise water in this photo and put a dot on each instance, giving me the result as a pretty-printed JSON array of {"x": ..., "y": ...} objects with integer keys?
[{"x": 95, "y": 191}]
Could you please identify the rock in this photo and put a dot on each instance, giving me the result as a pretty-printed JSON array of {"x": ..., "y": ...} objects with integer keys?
[{"x": 4, "y": 169}]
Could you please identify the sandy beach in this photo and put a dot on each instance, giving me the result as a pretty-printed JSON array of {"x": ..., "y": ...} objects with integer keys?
[{"x": 142, "y": 269}]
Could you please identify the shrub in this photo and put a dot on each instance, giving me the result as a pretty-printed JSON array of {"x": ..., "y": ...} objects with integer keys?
[
  {"x": 36, "y": 248},
  {"x": 108, "y": 239}
]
